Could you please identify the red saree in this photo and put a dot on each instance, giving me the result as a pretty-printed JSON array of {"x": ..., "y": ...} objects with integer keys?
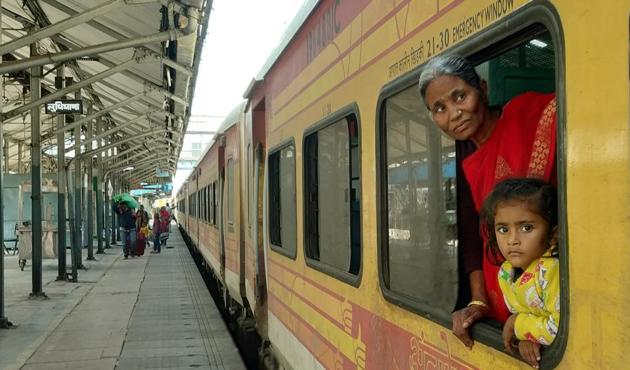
[{"x": 523, "y": 144}]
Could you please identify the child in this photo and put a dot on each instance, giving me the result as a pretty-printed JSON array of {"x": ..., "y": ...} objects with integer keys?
[{"x": 521, "y": 218}]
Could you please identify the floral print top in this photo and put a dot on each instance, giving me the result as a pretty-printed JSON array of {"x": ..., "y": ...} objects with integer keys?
[{"x": 535, "y": 297}]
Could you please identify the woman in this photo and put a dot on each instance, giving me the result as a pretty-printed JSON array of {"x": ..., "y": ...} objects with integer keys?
[
  {"x": 157, "y": 229},
  {"x": 142, "y": 222},
  {"x": 517, "y": 141}
]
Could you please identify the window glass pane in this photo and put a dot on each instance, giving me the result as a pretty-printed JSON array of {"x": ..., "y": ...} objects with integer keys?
[
  {"x": 333, "y": 164},
  {"x": 215, "y": 201},
  {"x": 274, "y": 199},
  {"x": 282, "y": 214},
  {"x": 422, "y": 248},
  {"x": 287, "y": 198},
  {"x": 230, "y": 191},
  {"x": 249, "y": 177}
]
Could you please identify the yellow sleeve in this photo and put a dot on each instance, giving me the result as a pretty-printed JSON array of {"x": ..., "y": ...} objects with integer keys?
[
  {"x": 543, "y": 327},
  {"x": 504, "y": 278}
]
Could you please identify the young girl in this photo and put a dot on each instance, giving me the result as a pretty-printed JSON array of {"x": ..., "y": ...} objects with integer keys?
[{"x": 520, "y": 216}]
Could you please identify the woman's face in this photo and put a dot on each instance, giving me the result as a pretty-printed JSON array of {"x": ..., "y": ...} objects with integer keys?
[{"x": 456, "y": 107}]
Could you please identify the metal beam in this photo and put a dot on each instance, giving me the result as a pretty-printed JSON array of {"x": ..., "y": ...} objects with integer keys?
[
  {"x": 53, "y": 58},
  {"x": 116, "y": 129},
  {"x": 60, "y": 26},
  {"x": 124, "y": 161},
  {"x": 166, "y": 93},
  {"x": 71, "y": 88},
  {"x": 101, "y": 112}
]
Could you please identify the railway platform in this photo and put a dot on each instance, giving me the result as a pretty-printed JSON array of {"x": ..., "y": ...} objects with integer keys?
[{"x": 148, "y": 312}]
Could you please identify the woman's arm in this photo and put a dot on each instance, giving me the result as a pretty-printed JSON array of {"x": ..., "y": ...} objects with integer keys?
[
  {"x": 476, "y": 310},
  {"x": 470, "y": 252}
]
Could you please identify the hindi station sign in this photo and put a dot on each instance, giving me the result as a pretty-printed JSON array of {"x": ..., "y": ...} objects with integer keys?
[{"x": 64, "y": 107}]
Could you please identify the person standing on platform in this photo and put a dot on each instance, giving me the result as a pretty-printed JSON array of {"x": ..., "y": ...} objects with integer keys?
[
  {"x": 128, "y": 226},
  {"x": 142, "y": 223},
  {"x": 156, "y": 232}
]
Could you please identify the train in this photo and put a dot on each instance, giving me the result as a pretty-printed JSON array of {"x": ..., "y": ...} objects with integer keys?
[{"x": 324, "y": 208}]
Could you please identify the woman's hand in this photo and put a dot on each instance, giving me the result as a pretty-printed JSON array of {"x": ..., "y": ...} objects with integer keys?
[
  {"x": 530, "y": 352},
  {"x": 465, "y": 318},
  {"x": 508, "y": 333}
]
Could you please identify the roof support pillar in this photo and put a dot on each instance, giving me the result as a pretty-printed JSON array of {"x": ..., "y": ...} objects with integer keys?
[
  {"x": 36, "y": 181},
  {"x": 5, "y": 154},
  {"x": 89, "y": 163},
  {"x": 72, "y": 206},
  {"x": 4, "y": 321},
  {"x": 20, "y": 168},
  {"x": 115, "y": 216},
  {"x": 62, "y": 274},
  {"x": 108, "y": 215},
  {"x": 78, "y": 188},
  {"x": 99, "y": 190}
]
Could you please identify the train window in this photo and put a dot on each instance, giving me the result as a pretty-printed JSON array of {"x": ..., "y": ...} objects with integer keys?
[
  {"x": 210, "y": 203},
  {"x": 423, "y": 206},
  {"x": 230, "y": 194},
  {"x": 215, "y": 203},
  {"x": 196, "y": 198},
  {"x": 332, "y": 196},
  {"x": 422, "y": 238},
  {"x": 202, "y": 202},
  {"x": 204, "y": 206},
  {"x": 282, "y": 213},
  {"x": 208, "y": 200},
  {"x": 207, "y": 205}
]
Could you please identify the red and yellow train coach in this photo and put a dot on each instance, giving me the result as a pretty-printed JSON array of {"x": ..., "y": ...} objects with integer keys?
[{"x": 337, "y": 196}]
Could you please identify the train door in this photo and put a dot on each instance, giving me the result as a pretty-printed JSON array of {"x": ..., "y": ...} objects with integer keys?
[
  {"x": 221, "y": 221},
  {"x": 197, "y": 209},
  {"x": 257, "y": 232}
]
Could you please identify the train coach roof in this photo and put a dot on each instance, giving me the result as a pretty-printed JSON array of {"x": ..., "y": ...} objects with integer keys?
[
  {"x": 289, "y": 34},
  {"x": 232, "y": 118}
]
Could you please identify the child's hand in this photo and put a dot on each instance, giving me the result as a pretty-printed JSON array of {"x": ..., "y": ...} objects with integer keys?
[
  {"x": 530, "y": 352},
  {"x": 508, "y": 333}
]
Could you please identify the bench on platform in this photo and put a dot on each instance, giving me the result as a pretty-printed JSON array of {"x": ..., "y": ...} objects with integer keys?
[{"x": 8, "y": 249}]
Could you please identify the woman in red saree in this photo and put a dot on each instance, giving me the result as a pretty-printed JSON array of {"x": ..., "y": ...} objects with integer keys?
[{"x": 517, "y": 141}]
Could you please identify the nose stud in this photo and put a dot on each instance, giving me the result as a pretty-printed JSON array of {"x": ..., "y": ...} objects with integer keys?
[{"x": 459, "y": 111}]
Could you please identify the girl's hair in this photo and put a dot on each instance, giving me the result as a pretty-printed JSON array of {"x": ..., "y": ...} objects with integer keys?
[
  {"x": 540, "y": 195},
  {"x": 448, "y": 65}
]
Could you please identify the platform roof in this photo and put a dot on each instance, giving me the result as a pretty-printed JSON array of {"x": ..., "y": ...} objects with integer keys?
[{"x": 136, "y": 62}]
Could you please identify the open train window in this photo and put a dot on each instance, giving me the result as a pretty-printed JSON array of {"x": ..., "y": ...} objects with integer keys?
[
  {"x": 282, "y": 213},
  {"x": 332, "y": 199},
  {"x": 421, "y": 182}
]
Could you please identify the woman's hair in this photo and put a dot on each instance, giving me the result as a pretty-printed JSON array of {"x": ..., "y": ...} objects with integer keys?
[
  {"x": 448, "y": 65},
  {"x": 540, "y": 195}
]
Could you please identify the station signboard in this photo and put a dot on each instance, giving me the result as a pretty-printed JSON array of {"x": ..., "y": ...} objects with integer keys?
[{"x": 64, "y": 106}]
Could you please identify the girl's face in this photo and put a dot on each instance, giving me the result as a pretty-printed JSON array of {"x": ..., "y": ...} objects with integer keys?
[
  {"x": 522, "y": 234},
  {"x": 456, "y": 107}
]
